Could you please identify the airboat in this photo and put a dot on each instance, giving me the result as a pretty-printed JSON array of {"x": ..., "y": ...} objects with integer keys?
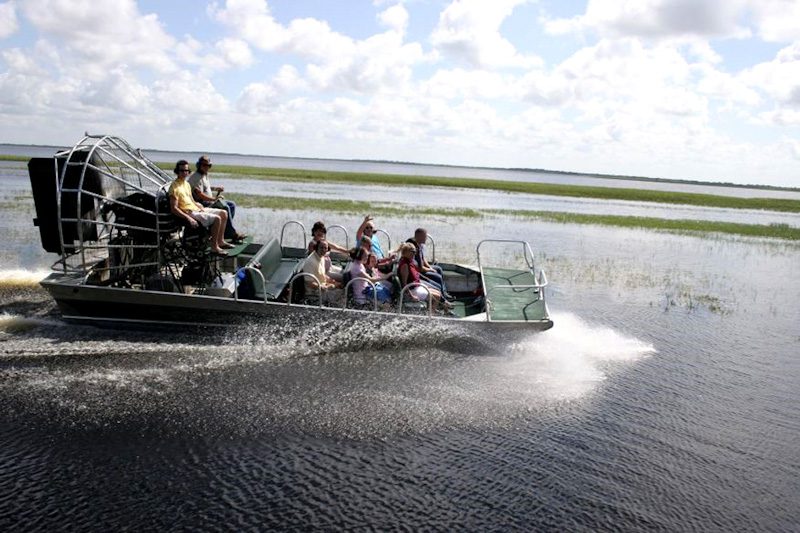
[{"x": 126, "y": 261}]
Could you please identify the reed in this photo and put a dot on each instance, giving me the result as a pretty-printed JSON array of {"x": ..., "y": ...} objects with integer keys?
[
  {"x": 775, "y": 231},
  {"x": 547, "y": 189}
]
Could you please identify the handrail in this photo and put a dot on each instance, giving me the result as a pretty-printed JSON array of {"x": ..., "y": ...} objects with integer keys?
[
  {"x": 388, "y": 239},
  {"x": 346, "y": 236},
  {"x": 374, "y": 293},
  {"x": 433, "y": 247},
  {"x": 412, "y": 285},
  {"x": 283, "y": 229},
  {"x": 526, "y": 249},
  {"x": 301, "y": 275},
  {"x": 236, "y": 285}
]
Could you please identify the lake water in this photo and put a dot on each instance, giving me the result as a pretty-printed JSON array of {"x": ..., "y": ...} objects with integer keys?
[{"x": 665, "y": 398}]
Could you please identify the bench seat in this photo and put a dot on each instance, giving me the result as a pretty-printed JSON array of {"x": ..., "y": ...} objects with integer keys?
[{"x": 277, "y": 271}]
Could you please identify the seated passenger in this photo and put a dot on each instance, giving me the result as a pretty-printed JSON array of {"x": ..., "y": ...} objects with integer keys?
[
  {"x": 385, "y": 287},
  {"x": 408, "y": 273},
  {"x": 361, "y": 290},
  {"x": 203, "y": 193},
  {"x": 184, "y": 207},
  {"x": 430, "y": 273},
  {"x": 319, "y": 233},
  {"x": 315, "y": 265},
  {"x": 368, "y": 229}
]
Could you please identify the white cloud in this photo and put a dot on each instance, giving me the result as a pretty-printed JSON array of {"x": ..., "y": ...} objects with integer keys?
[
  {"x": 235, "y": 52},
  {"x": 656, "y": 18},
  {"x": 101, "y": 35},
  {"x": 335, "y": 61},
  {"x": 469, "y": 31},
  {"x": 395, "y": 18},
  {"x": 20, "y": 62},
  {"x": 8, "y": 19},
  {"x": 121, "y": 91},
  {"x": 460, "y": 83},
  {"x": 777, "y": 20},
  {"x": 253, "y": 20},
  {"x": 185, "y": 96},
  {"x": 779, "y": 78}
]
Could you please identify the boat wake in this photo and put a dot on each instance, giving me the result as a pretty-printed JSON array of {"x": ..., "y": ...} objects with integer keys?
[
  {"x": 21, "y": 279},
  {"x": 327, "y": 377}
]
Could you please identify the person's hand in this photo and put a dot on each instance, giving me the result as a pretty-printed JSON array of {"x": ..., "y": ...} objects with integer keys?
[
  {"x": 221, "y": 188},
  {"x": 192, "y": 222},
  {"x": 367, "y": 218}
]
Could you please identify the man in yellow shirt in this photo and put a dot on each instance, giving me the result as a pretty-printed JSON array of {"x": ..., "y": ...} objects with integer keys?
[{"x": 183, "y": 206}]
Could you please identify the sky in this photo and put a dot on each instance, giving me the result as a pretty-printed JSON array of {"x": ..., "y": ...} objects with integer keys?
[{"x": 684, "y": 89}]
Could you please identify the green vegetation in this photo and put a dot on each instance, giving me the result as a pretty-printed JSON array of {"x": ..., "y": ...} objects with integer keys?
[
  {"x": 548, "y": 189},
  {"x": 24, "y": 158},
  {"x": 776, "y": 231},
  {"x": 342, "y": 206}
]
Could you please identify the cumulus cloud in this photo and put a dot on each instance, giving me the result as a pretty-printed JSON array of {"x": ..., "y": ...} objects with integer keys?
[
  {"x": 8, "y": 19},
  {"x": 469, "y": 31},
  {"x": 656, "y": 18},
  {"x": 101, "y": 35},
  {"x": 395, "y": 18},
  {"x": 776, "y": 20},
  {"x": 779, "y": 78},
  {"x": 235, "y": 52},
  {"x": 335, "y": 61}
]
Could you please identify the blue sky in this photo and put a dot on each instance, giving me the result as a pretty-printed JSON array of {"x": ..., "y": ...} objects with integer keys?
[{"x": 692, "y": 89}]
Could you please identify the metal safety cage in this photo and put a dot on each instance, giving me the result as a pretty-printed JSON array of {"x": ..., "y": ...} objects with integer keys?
[{"x": 111, "y": 209}]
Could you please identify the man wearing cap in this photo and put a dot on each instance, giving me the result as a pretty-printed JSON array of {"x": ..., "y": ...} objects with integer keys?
[{"x": 203, "y": 192}]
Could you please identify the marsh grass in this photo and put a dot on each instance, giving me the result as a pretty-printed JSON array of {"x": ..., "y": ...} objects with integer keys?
[
  {"x": 775, "y": 231},
  {"x": 343, "y": 206},
  {"x": 547, "y": 189}
]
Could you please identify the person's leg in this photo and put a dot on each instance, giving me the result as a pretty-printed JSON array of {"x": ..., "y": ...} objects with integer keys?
[
  {"x": 440, "y": 272},
  {"x": 218, "y": 228},
  {"x": 423, "y": 278},
  {"x": 230, "y": 211}
]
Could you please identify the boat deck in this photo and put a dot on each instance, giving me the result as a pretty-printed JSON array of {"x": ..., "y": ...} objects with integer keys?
[{"x": 511, "y": 297}]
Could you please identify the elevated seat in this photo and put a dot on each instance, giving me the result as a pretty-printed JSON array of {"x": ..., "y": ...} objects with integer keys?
[{"x": 277, "y": 271}]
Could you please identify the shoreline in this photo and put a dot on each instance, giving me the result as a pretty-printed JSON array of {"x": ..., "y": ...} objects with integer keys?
[
  {"x": 546, "y": 189},
  {"x": 683, "y": 226},
  {"x": 620, "y": 177}
]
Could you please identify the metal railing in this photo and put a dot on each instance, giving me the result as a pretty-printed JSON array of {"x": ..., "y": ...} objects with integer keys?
[
  {"x": 304, "y": 275},
  {"x": 540, "y": 279},
  {"x": 414, "y": 285},
  {"x": 374, "y": 292},
  {"x": 257, "y": 271},
  {"x": 302, "y": 228}
]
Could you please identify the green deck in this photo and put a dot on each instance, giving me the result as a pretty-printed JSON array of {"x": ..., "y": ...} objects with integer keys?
[
  {"x": 521, "y": 303},
  {"x": 239, "y": 248}
]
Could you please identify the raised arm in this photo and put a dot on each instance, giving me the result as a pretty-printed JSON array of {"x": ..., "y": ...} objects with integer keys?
[{"x": 360, "y": 230}]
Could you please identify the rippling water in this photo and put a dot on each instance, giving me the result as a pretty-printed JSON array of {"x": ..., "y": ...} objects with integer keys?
[{"x": 665, "y": 397}]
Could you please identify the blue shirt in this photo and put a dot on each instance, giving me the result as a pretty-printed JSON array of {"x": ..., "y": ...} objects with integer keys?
[{"x": 376, "y": 247}]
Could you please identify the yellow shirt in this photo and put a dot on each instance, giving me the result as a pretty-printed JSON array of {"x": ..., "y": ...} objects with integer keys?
[{"x": 181, "y": 190}]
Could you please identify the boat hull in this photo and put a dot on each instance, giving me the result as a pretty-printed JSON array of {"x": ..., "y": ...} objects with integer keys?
[{"x": 135, "y": 308}]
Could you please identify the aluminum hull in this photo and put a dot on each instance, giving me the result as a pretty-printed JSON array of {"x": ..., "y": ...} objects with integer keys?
[{"x": 137, "y": 308}]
